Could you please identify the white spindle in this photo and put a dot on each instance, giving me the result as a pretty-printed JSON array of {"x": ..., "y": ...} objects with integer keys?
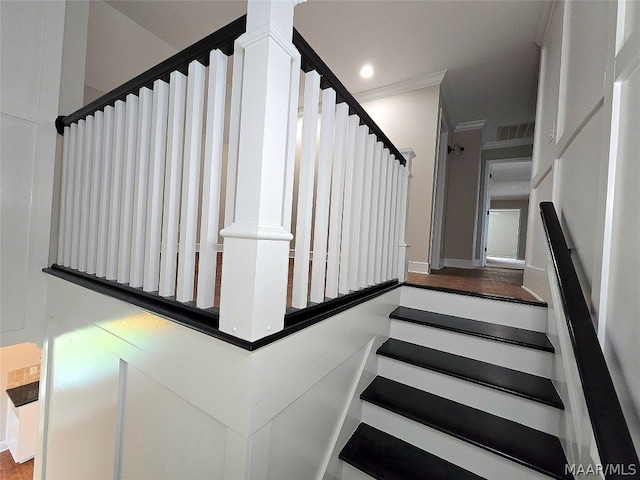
[
  {"x": 172, "y": 183},
  {"x": 292, "y": 134},
  {"x": 63, "y": 195},
  {"x": 378, "y": 273},
  {"x": 140, "y": 187},
  {"x": 392, "y": 227},
  {"x": 403, "y": 247},
  {"x": 375, "y": 205},
  {"x": 321, "y": 226},
  {"x": 356, "y": 208},
  {"x": 305, "y": 189},
  {"x": 116, "y": 190},
  {"x": 128, "y": 185},
  {"x": 365, "y": 222},
  {"x": 105, "y": 191},
  {"x": 234, "y": 135},
  {"x": 77, "y": 195},
  {"x": 156, "y": 186},
  {"x": 398, "y": 222},
  {"x": 337, "y": 196},
  {"x": 211, "y": 180},
  {"x": 190, "y": 182},
  {"x": 71, "y": 177},
  {"x": 86, "y": 193},
  {"x": 345, "y": 250},
  {"x": 387, "y": 217},
  {"x": 96, "y": 193}
]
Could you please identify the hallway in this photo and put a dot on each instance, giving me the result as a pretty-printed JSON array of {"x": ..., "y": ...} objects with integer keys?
[{"x": 500, "y": 282}]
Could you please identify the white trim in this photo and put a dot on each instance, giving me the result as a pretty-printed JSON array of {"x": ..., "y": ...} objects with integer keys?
[
  {"x": 418, "y": 267},
  {"x": 405, "y": 86},
  {"x": 477, "y": 263},
  {"x": 475, "y": 125},
  {"x": 514, "y": 142},
  {"x": 3, "y": 446},
  {"x": 532, "y": 293},
  {"x": 458, "y": 263}
]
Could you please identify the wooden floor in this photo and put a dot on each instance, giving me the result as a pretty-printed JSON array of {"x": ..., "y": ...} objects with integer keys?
[
  {"x": 488, "y": 280},
  {"x": 14, "y": 471}
]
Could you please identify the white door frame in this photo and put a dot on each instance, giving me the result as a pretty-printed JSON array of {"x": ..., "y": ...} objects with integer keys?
[
  {"x": 438, "y": 198},
  {"x": 487, "y": 202}
]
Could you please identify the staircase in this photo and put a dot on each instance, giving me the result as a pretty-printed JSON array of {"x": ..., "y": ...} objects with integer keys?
[{"x": 460, "y": 396}]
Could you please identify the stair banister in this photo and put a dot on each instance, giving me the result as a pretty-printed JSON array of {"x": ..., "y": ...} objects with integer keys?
[{"x": 611, "y": 433}]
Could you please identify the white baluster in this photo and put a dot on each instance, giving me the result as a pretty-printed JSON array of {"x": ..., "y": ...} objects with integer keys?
[
  {"x": 321, "y": 226},
  {"x": 63, "y": 194},
  {"x": 157, "y": 153},
  {"x": 128, "y": 184},
  {"x": 356, "y": 208},
  {"x": 235, "y": 107},
  {"x": 387, "y": 216},
  {"x": 172, "y": 184},
  {"x": 398, "y": 207},
  {"x": 141, "y": 187},
  {"x": 116, "y": 191},
  {"x": 305, "y": 189},
  {"x": 378, "y": 273},
  {"x": 292, "y": 134},
  {"x": 403, "y": 247},
  {"x": 365, "y": 234},
  {"x": 190, "y": 182},
  {"x": 105, "y": 191},
  {"x": 86, "y": 193},
  {"x": 375, "y": 213},
  {"x": 96, "y": 193},
  {"x": 392, "y": 224},
  {"x": 345, "y": 248},
  {"x": 337, "y": 196},
  {"x": 211, "y": 180},
  {"x": 77, "y": 195}
]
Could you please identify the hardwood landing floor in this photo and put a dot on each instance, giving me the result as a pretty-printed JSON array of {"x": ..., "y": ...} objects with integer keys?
[
  {"x": 9, "y": 470},
  {"x": 488, "y": 280}
]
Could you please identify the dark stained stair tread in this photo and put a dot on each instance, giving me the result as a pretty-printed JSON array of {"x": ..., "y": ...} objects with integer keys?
[
  {"x": 525, "y": 385},
  {"x": 492, "y": 331},
  {"x": 537, "y": 450},
  {"x": 386, "y": 457}
]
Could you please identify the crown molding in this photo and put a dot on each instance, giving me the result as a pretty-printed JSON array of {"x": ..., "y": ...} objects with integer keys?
[
  {"x": 405, "y": 86},
  {"x": 476, "y": 125}
]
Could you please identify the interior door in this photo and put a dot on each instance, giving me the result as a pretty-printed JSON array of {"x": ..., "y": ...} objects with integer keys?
[{"x": 504, "y": 226}]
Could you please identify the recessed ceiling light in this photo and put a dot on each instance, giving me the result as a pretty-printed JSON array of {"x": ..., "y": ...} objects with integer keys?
[{"x": 366, "y": 71}]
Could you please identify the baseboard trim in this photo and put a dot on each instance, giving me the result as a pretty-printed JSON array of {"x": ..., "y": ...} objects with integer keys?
[
  {"x": 477, "y": 263},
  {"x": 418, "y": 267},
  {"x": 458, "y": 263},
  {"x": 532, "y": 293}
]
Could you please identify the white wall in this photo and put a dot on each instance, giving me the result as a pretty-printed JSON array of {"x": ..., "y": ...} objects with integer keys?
[
  {"x": 588, "y": 102},
  {"x": 132, "y": 394},
  {"x": 31, "y": 43}
]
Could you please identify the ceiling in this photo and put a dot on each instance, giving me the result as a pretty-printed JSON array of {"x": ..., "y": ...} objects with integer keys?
[{"x": 487, "y": 47}]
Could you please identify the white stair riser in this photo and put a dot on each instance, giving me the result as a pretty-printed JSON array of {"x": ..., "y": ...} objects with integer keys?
[
  {"x": 352, "y": 473},
  {"x": 512, "y": 314},
  {"x": 507, "y": 355},
  {"x": 503, "y": 404},
  {"x": 447, "y": 447}
]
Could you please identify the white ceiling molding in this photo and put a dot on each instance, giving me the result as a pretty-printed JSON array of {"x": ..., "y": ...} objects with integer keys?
[
  {"x": 405, "y": 86},
  {"x": 476, "y": 125},
  {"x": 514, "y": 142},
  {"x": 544, "y": 17}
]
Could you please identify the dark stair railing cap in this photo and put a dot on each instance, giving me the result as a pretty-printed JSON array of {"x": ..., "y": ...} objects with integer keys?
[{"x": 611, "y": 432}]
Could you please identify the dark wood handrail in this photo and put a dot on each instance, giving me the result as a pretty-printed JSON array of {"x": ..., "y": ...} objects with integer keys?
[
  {"x": 223, "y": 39},
  {"x": 610, "y": 429}
]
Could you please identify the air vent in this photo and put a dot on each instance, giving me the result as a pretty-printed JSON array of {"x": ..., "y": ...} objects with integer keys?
[{"x": 520, "y": 130}]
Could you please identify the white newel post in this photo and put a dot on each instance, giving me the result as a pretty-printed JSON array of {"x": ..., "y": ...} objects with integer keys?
[
  {"x": 256, "y": 240},
  {"x": 403, "y": 247}
]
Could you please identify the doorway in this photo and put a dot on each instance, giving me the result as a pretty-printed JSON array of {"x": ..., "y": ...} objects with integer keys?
[{"x": 503, "y": 233}]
